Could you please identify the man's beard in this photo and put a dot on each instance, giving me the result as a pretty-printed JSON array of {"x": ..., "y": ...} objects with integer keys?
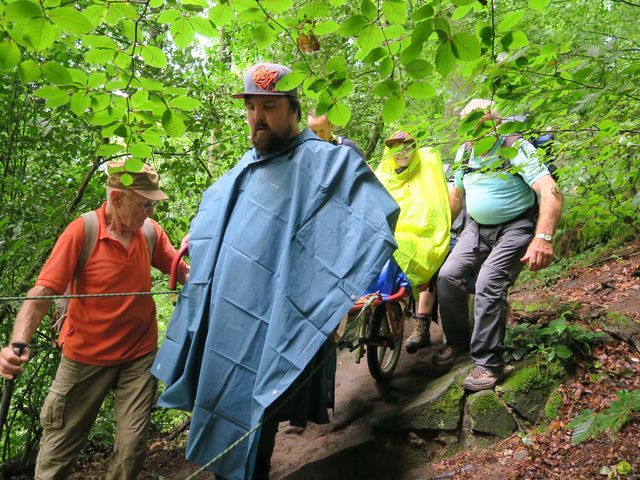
[{"x": 266, "y": 140}]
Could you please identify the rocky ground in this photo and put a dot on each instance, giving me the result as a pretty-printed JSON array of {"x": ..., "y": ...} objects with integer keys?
[{"x": 356, "y": 445}]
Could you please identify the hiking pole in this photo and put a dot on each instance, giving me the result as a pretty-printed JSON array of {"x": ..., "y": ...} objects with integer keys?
[{"x": 18, "y": 349}]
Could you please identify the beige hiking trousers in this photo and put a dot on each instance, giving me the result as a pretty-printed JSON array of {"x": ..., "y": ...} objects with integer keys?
[{"x": 72, "y": 406}]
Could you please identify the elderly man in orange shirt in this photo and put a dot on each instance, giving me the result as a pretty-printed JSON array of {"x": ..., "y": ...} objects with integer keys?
[{"x": 108, "y": 343}]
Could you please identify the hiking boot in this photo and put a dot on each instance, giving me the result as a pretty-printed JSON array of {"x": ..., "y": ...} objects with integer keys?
[
  {"x": 482, "y": 378},
  {"x": 420, "y": 337},
  {"x": 447, "y": 355}
]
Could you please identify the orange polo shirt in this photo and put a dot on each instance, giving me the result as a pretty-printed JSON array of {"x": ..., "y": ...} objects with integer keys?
[{"x": 109, "y": 330}]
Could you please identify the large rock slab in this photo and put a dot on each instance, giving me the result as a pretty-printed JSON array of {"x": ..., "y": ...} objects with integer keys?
[
  {"x": 487, "y": 414},
  {"x": 528, "y": 388},
  {"x": 438, "y": 407}
]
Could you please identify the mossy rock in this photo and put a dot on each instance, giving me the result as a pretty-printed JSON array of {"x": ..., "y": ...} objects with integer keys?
[
  {"x": 554, "y": 404},
  {"x": 528, "y": 388},
  {"x": 438, "y": 407},
  {"x": 487, "y": 414}
]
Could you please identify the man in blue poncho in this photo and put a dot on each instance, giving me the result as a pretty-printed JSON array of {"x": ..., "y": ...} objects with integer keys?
[{"x": 281, "y": 248}]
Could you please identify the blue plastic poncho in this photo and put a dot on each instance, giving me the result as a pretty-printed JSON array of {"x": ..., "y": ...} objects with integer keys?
[{"x": 281, "y": 248}]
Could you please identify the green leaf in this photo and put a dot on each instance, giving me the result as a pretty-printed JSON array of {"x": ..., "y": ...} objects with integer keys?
[
  {"x": 459, "y": 3},
  {"x": 56, "y": 73},
  {"x": 413, "y": 51},
  {"x": 100, "y": 102},
  {"x": 204, "y": 26},
  {"x": 337, "y": 63},
  {"x": 440, "y": 24},
  {"x": 9, "y": 55},
  {"x": 184, "y": 103},
  {"x": 263, "y": 36},
  {"x": 278, "y": 6},
  {"x": 461, "y": 12},
  {"x": 539, "y": 5},
  {"x": 387, "y": 88},
  {"x": 221, "y": 14},
  {"x": 139, "y": 150},
  {"x": 153, "y": 56},
  {"x": 368, "y": 9},
  {"x": 341, "y": 87},
  {"x": 395, "y": 11},
  {"x": 97, "y": 79},
  {"x": 424, "y": 12},
  {"x": 510, "y": 20},
  {"x": 95, "y": 14},
  {"x": 386, "y": 67},
  {"x": 445, "y": 59},
  {"x": 70, "y": 20},
  {"x": 126, "y": 179},
  {"x": 370, "y": 37},
  {"x": 376, "y": 54},
  {"x": 49, "y": 92},
  {"x": 29, "y": 71},
  {"x": 465, "y": 46},
  {"x": 169, "y": 16},
  {"x": 100, "y": 41},
  {"x": 420, "y": 90},
  {"x": 22, "y": 10},
  {"x": 106, "y": 150},
  {"x": 182, "y": 32},
  {"x": 151, "y": 84},
  {"x": 583, "y": 426},
  {"x": 54, "y": 96},
  {"x": 421, "y": 32},
  {"x": 78, "y": 77},
  {"x": 419, "y": 68},
  {"x": 484, "y": 145},
  {"x": 339, "y": 114},
  {"x": 99, "y": 56},
  {"x": 393, "y": 31},
  {"x": 172, "y": 124},
  {"x": 79, "y": 103},
  {"x": 514, "y": 40},
  {"x": 324, "y": 28},
  {"x": 353, "y": 25},
  {"x": 393, "y": 109},
  {"x": 507, "y": 128},
  {"x": 290, "y": 81},
  {"x": 39, "y": 34},
  {"x": 156, "y": 3},
  {"x": 313, "y": 10},
  {"x": 563, "y": 352},
  {"x": 139, "y": 98}
]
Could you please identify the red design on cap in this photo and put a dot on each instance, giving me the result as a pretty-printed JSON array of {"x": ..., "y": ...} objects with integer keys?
[{"x": 265, "y": 79}]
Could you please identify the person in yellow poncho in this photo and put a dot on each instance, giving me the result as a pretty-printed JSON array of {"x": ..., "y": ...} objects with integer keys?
[{"x": 415, "y": 179}]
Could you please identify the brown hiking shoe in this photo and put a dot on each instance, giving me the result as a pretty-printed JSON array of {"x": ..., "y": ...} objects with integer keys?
[
  {"x": 420, "y": 338},
  {"x": 481, "y": 378},
  {"x": 447, "y": 355}
]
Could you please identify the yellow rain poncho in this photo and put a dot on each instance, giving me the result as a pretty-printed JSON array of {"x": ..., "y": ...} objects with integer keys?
[{"x": 422, "y": 231}]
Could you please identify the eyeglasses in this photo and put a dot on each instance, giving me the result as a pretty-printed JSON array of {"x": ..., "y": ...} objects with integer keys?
[{"x": 146, "y": 207}]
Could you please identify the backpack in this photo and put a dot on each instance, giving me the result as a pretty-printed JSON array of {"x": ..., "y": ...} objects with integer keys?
[{"x": 90, "y": 220}]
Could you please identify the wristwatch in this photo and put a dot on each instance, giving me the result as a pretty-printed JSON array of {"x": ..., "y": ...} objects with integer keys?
[{"x": 544, "y": 236}]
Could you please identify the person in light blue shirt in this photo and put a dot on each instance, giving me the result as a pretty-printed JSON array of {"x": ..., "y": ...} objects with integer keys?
[{"x": 514, "y": 208}]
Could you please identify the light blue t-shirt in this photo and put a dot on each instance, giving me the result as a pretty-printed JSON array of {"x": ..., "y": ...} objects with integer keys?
[{"x": 499, "y": 196}]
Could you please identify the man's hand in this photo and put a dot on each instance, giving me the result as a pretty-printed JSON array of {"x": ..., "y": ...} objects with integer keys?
[
  {"x": 539, "y": 254},
  {"x": 10, "y": 362}
]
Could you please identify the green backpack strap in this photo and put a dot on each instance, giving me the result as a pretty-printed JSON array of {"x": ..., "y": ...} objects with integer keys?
[{"x": 150, "y": 236}]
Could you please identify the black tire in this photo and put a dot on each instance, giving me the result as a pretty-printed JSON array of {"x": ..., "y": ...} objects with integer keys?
[{"x": 384, "y": 350}]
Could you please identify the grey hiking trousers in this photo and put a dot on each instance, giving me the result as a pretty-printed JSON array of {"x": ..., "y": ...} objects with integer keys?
[{"x": 494, "y": 253}]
